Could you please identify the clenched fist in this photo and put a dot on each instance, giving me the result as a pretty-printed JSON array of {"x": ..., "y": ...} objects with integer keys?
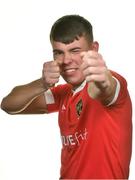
[
  {"x": 102, "y": 85},
  {"x": 50, "y": 73},
  {"x": 95, "y": 69}
]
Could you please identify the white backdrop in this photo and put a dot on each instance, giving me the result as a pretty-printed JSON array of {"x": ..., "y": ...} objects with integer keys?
[{"x": 30, "y": 144}]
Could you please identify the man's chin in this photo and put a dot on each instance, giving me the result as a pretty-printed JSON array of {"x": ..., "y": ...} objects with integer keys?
[{"x": 75, "y": 83}]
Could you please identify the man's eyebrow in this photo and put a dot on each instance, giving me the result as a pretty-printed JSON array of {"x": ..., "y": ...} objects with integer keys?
[
  {"x": 57, "y": 50},
  {"x": 72, "y": 49},
  {"x": 75, "y": 48}
]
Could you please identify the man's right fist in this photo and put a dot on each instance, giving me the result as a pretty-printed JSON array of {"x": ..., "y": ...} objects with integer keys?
[{"x": 50, "y": 73}]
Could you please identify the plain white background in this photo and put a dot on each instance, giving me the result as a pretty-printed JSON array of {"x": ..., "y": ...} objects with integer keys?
[{"x": 30, "y": 144}]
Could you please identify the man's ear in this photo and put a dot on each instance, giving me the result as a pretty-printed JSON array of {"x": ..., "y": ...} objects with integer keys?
[{"x": 95, "y": 46}]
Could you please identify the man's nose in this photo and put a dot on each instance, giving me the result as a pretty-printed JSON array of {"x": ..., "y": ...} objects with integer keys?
[{"x": 67, "y": 58}]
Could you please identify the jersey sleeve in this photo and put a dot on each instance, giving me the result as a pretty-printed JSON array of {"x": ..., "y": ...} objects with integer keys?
[
  {"x": 123, "y": 93},
  {"x": 55, "y": 96}
]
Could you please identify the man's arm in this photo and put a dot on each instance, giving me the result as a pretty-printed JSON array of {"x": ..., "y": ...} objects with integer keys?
[
  {"x": 29, "y": 98},
  {"x": 103, "y": 93},
  {"x": 24, "y": 99}
]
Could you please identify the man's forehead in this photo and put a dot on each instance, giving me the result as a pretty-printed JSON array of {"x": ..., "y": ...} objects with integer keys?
[{"x": 75, "y": 43}]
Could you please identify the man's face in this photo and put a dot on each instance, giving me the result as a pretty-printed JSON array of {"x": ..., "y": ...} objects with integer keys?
[{"x": 70, "y": 60}]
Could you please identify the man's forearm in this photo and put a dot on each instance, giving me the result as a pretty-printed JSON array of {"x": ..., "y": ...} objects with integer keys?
[
  {"x": 101, "y": 92},
  {"x": 22, "y": 96}
]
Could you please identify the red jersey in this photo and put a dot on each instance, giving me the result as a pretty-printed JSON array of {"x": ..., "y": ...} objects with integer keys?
[{"x": 96, "y": 139}]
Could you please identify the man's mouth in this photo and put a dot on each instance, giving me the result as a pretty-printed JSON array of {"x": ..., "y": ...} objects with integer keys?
[{"x": 70, "y": 70}]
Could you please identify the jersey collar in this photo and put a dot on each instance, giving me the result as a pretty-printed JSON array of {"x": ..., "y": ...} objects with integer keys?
[{"x": 79, "y": 88}]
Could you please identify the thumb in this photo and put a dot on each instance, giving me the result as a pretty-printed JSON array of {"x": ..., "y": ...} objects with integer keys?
[{"x": 82, "y": 54}]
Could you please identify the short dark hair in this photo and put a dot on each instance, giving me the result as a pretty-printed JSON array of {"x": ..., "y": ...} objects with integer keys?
[{"x": 70, "y": 27}]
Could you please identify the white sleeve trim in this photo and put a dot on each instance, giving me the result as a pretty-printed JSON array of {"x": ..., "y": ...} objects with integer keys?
[
  {"x": 116, "y": 92},
  {"x": 49, "y": 97}
]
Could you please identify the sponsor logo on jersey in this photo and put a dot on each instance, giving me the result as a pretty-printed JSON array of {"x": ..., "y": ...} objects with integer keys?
[{"x": 75, "y": 139}]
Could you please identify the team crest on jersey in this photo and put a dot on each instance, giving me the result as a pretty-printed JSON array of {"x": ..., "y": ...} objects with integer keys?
[{"x": 79, "y": 107}]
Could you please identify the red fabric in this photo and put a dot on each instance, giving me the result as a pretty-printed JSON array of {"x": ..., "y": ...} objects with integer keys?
[{"x": 96, "y": 139}]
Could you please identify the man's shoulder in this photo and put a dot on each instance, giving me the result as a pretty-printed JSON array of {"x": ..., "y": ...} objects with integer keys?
[
  {"x": 62, "y": 89},
  {"x": 119, "y": 77},
  {"x": 63, "y": 86}
]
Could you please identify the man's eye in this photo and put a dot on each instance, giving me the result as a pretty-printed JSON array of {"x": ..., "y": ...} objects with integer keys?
[
  {"x": 76, "y": 51},
  {"x": 57, "y": 53}
]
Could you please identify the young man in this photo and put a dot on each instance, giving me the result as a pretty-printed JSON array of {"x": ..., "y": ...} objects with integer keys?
[{"x": 95, "y": 111}]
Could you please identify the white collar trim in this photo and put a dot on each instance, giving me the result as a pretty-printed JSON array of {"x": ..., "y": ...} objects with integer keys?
[{"x": 79, "y": 88}]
